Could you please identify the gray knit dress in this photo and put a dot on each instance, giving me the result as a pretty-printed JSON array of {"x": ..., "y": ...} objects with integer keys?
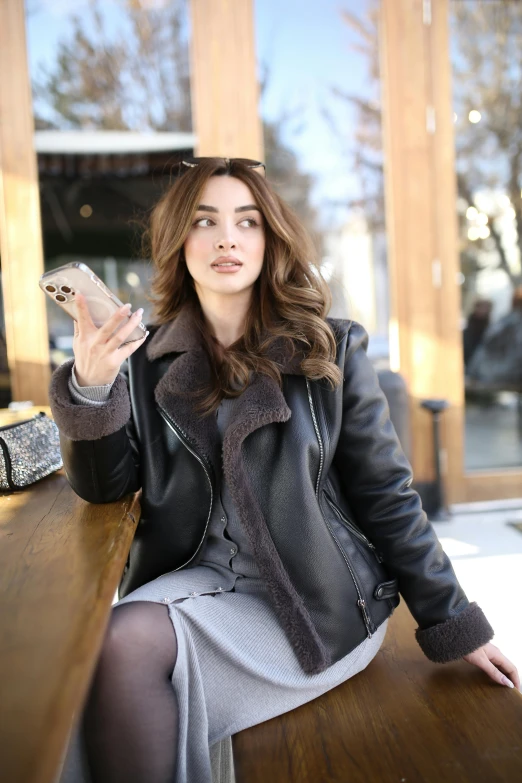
[{"x": 235, "y": 666}]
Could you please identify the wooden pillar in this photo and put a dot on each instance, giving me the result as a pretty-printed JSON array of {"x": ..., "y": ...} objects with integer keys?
[
  {"x": 225, "y": 94},
  {"x": 20, "y": 226},
  {"x": 444, "y": 206},
  {"x": 422, "y": 224}
]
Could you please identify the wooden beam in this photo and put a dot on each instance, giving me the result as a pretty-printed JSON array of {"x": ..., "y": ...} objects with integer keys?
[
  {"x": 409, "y": 214},
  {"x": 20, "y": 226},
  {"x": 224, "y": 86},
  {"x": 422, "y": 225},
  {"x": 491, "y": 485},
  {"x": 444, "y": 206}
]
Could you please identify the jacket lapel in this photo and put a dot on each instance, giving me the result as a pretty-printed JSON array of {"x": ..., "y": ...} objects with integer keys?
[{"x": 262, "y": 402}]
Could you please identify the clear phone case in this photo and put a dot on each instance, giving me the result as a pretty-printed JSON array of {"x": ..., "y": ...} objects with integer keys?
[{"x": 62, "y": 283}]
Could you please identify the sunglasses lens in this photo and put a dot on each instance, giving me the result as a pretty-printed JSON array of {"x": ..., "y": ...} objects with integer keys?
[{"x": 253, "y": 164}]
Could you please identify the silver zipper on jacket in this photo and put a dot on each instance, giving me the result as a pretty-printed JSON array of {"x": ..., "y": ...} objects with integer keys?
[
  {"x": 311, "y": 403},
  {"x": 361, "y": 603},
  {"x": 358, "y": 533},
  {"x": 183, "y": 437}
]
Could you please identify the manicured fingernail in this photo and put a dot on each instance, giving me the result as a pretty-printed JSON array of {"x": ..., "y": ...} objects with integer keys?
[
  {"x": 507, "y": 682},
  {"x": 125, "y": 308},
  {"x": 139, "y": 312}
]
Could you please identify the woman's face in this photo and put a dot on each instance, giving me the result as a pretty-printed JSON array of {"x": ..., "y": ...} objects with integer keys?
[{"x": 227, "y": 225}]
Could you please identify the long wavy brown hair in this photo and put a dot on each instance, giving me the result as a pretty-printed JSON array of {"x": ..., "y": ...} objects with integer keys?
[{"x": 290, "y": 298}]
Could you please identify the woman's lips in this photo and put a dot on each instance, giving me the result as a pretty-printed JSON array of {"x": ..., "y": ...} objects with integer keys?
[{"x": 226, "y": 265}]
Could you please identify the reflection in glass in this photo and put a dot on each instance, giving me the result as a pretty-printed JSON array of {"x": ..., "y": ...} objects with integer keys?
[
  {"x": 487, "y": 70},
  {"x": 320, "y": 105},
  {"x": 111, "y": 102}
]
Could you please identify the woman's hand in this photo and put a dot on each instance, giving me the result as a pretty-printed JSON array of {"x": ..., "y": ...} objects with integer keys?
[
  {"x": 488, "y": 657},
  {"x": 98, "y": 356}
]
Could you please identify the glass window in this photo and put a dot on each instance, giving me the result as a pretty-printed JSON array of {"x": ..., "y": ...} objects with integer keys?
[
  {"x": 111, "y": 103},
  {"x": 321, "y": 112},
  {"x": 486, "y": 39}
]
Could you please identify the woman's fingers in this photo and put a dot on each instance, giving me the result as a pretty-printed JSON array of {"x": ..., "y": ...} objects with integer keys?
[
  {"x": 84, "y": 322},
  {"x": 112, "y": 323},
  {"x": 507, "y": 666},
  {"x": 497, "y": 675},
  {"x": 126, "y": 350},
  {"x": 486, "y": 657},
  {"x": 96, "y": 349},
  {"x": 118, "y": 337}
]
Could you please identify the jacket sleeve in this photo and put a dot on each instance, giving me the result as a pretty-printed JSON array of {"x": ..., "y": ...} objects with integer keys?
[
  {"x": 376, "y": 478},
  {"x": 98, "y": 442}
]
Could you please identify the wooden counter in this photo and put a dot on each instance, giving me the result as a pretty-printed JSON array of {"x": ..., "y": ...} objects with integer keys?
[{"x": 61, "y": 560}]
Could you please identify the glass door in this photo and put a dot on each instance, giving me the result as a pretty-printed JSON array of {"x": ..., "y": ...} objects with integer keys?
[{"x": 486, "y": 52}]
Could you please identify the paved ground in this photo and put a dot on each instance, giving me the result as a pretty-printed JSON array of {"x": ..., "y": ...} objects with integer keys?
[{"x": 486, "y": 553}]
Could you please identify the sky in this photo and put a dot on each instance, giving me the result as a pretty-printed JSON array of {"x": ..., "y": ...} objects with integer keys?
[{"x": 307, "y": 49}]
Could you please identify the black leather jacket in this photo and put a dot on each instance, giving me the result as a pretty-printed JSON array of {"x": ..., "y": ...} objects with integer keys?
[{"x": 318, "y": 477}]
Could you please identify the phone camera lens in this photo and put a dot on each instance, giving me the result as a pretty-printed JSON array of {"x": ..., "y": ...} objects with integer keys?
[
  {"x": 65, "y": 289},
  {"x": 60, "y": 298},
  {"x": 50, "y": 288}
]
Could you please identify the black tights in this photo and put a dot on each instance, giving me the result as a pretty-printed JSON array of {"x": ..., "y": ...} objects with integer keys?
[{"x": 130, "y": 721}]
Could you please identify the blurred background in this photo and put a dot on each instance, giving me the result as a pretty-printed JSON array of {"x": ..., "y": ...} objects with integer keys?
[{"x": 393, "y": 128}]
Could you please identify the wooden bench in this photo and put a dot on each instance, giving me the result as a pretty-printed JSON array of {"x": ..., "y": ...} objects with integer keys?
[{"x": 401, "y": 719}]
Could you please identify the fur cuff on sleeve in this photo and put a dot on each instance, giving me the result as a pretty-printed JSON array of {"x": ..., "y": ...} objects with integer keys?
[
  {"x": 457, "y": 636},
  {"x": 87, "y": 422}
]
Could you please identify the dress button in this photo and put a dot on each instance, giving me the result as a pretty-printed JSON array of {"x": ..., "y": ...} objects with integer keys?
[
  {"x": 165, "y": 600},
  {"x": 192, "y": 593},
  {"x": 219, "y": 589},
  {"x": 223, "y": 519},
  {"x": 233, "y": 550}
]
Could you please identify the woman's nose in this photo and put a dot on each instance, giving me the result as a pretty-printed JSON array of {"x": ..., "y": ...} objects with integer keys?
[{"x": 226, "y": 242}]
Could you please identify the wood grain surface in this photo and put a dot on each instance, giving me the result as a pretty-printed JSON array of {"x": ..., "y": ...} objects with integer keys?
[
  {"x": 21, "y": 247},
  {"x": 9, "y": 416},
  {"x": 401, "y": 720},
  {"x": 61, "y": 560},
  {"x": 218, "y": 81}
]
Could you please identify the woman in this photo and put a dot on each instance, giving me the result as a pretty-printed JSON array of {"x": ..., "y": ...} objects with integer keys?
[{"x": 257, "y": 431}]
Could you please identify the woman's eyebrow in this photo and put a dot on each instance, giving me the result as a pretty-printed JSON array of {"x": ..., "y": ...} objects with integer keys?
[{"x": 246, "y": 208}]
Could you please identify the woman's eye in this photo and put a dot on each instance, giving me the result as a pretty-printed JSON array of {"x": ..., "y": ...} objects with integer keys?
[{"x": 203, "y": 222}]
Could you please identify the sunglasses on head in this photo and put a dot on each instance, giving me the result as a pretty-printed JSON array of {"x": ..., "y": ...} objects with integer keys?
[{"x": 248, "y": 162}]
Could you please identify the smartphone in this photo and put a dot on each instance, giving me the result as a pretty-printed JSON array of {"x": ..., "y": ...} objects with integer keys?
[{"x": 61, "y": 284}]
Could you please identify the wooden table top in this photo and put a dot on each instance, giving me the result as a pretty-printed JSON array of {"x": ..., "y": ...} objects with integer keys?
[
  {"x": 402, "y": 719},
  {"x": 61, "y": 560},
  {"x": 8, "y": 416}
]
